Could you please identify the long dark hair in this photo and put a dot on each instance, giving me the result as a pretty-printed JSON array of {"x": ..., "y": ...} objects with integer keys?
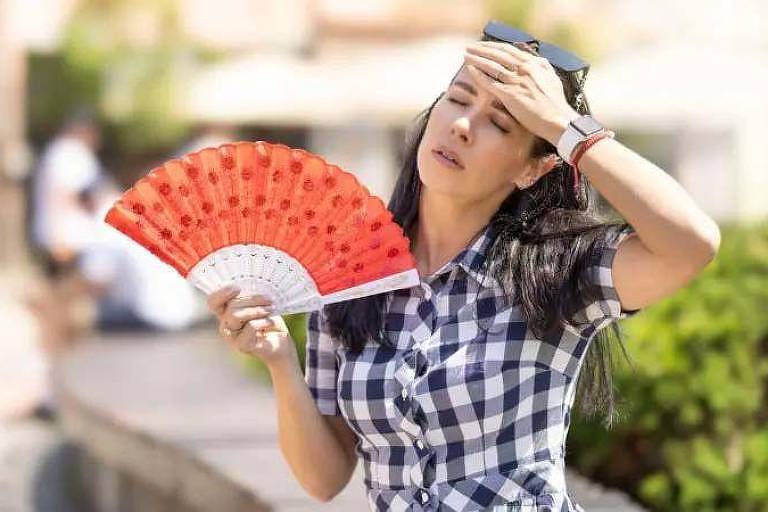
[{"x": 543, "y": 237}]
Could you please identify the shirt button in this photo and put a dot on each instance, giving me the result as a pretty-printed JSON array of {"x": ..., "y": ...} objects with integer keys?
[{"x": 419, "y": 444}]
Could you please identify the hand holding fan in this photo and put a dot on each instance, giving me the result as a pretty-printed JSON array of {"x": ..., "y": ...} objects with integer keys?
[{"x": 273, "y": 220}]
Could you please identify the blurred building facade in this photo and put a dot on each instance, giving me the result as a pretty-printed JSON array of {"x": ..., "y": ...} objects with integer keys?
[
  {"x": 347, "y": 77},
  {"x": 344, "y": 79}
]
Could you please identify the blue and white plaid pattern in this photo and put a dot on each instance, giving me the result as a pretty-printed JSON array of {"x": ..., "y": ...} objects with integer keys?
[{"x": 467, "y": 410}]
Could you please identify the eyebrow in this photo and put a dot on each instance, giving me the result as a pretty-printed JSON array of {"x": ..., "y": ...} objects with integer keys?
[{"x": 495, "y": 104}]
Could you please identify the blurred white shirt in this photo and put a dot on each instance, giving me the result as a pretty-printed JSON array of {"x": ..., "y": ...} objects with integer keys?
[
  {"x": 155, "y": 291},
  {"x": 67, "y": 165}
]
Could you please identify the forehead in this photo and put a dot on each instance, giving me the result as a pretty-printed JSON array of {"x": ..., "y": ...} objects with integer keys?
[
  {"x": 463, "y": 75},
  {"x": 465, "y": 82}
]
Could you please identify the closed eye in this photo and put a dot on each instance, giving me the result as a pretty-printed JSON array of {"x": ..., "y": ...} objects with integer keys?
[{"x": 452, "y": 100}]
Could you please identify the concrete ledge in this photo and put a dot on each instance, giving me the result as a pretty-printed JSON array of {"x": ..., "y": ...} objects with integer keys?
[{"x": 170, "y": 423}]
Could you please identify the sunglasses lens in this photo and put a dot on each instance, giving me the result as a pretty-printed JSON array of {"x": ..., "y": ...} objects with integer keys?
[
  {"x": 504, "y": 33},
  {"x": 561, "y": 58}
]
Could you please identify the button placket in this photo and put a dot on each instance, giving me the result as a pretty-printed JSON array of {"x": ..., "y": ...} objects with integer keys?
[
  {"x": 412, "y": 420},
  {"x": 420, "y": 473},
  {"x": 416, "y": 474},
  {"x": 426, "y": 314},
  {"x": 403, "y": 402},
  {"x": 426, "y": 291}
]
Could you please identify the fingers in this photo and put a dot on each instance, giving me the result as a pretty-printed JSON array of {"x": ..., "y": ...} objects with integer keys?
[
  {"x": 217, "y": 300},
  {"x": 513, "y": 50},
  {"x": 229, "y": 336},
  {"x": 260, "y": 324},
  {"x": 240, "y": 310},
  {"x": 250, "y": 339},
  {"x": 250, "y": 300},
  {"x": 242, "y": 320},
  {"x": 509, "y": 57},
  {"x": 502, "y": 54},
  {"x": 246, "y": 314},
  {"x": 257, "y": 319},
  {"x": 487, "y": 77}
]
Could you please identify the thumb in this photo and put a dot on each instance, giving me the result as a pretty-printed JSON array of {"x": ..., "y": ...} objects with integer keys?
[{"x": 279, "y": 323}]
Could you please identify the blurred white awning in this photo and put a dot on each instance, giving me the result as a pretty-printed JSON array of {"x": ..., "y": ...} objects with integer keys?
[
  {"x": 676, "y": 83},
  {"x": 389, "y": 84}
]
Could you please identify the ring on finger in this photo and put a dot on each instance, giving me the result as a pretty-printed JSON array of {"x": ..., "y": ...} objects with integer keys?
[
  {"x": 235, "y": 329},
  {"x": 229, "y": 333},
  {"x": 512, "y": 69}
]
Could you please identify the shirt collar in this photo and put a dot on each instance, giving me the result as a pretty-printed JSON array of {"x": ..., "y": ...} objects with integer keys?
[{"x": 472, "y": 257}]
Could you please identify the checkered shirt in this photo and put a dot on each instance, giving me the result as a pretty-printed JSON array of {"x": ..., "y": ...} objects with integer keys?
[{"x": 467, "y": 410}]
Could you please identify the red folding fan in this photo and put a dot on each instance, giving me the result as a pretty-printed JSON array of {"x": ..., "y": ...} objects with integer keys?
[{"x": 274, "y": 220}]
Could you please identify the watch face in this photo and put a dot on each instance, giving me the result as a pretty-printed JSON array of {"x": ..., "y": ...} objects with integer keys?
[{"x": 586, "y": 124}]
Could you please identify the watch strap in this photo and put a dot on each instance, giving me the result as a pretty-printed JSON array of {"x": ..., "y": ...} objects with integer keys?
[{"x": 572, "y": 136}]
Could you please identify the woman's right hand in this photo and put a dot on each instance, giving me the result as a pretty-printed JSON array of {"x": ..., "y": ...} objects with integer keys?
[{"x": 246, "y": 324}]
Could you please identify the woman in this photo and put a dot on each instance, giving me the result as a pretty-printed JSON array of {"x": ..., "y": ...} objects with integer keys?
[{"x": 457, "y": 393}]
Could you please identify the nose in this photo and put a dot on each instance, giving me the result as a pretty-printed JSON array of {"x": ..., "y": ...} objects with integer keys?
[{"x": 460, "y": 128}]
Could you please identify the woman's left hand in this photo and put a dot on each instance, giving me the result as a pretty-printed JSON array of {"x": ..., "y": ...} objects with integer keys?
[{"x": 533, "y": 93}]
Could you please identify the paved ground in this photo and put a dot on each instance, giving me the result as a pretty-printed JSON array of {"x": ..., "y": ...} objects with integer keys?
[
  {"x": 22, "y": 366},
  {"x": 35, "y": 473},
  {"x": 35, "y": 469}
]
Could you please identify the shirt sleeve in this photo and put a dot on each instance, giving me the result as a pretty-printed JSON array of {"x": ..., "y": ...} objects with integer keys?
[
  {"x": 321, "y": 372},
  {"x": 600, "y": 304}
]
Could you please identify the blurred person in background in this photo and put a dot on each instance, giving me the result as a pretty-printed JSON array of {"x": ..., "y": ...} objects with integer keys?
[
  {"x": 58, "y": 229},
  {"x": 132, "y": 289},
  {"x": 69, "y": 165},
  {"x": 114, "y": 285}
]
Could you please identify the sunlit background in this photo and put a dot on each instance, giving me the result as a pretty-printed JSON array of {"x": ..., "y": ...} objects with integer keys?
[{"x": 681, "y": 82}]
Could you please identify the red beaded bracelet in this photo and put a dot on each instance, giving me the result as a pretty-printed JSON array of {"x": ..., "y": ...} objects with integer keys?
[{"x": 581, "y": 148}]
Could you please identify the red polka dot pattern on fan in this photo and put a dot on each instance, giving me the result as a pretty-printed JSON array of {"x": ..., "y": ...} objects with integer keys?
[{"x": 272, "y": 219}]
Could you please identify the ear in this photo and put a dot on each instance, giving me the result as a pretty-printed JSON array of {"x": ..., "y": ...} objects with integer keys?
[{"x": 539, "y": 168}]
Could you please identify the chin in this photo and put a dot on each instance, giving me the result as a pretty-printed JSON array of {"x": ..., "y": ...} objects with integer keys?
[{"x": 439, "y": 182}]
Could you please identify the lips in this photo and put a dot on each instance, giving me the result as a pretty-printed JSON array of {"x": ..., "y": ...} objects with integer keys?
[{"x": 452, "y": 155}]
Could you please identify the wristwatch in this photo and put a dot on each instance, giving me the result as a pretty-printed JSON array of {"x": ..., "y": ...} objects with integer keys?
[{"x": 577, "y": 131}]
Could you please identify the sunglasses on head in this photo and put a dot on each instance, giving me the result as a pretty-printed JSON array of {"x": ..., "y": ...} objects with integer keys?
[{"x": 558, "y": 57}]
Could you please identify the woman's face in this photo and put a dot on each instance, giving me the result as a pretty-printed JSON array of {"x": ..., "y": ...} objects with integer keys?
[{"x": 490, "y": 144}]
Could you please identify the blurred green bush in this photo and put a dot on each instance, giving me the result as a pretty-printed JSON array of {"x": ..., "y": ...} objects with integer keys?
[
  {"x": 127, "y": 60},
  {"x": 693, "y": 434}
]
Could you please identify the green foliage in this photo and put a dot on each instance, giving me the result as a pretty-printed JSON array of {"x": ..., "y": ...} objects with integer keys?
[
  {"x": 561, "y": 32},
  {"x": 125, "y": 58},
  {"x": 517, "y": 14},
  {"x": 695, "y": 435}
]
